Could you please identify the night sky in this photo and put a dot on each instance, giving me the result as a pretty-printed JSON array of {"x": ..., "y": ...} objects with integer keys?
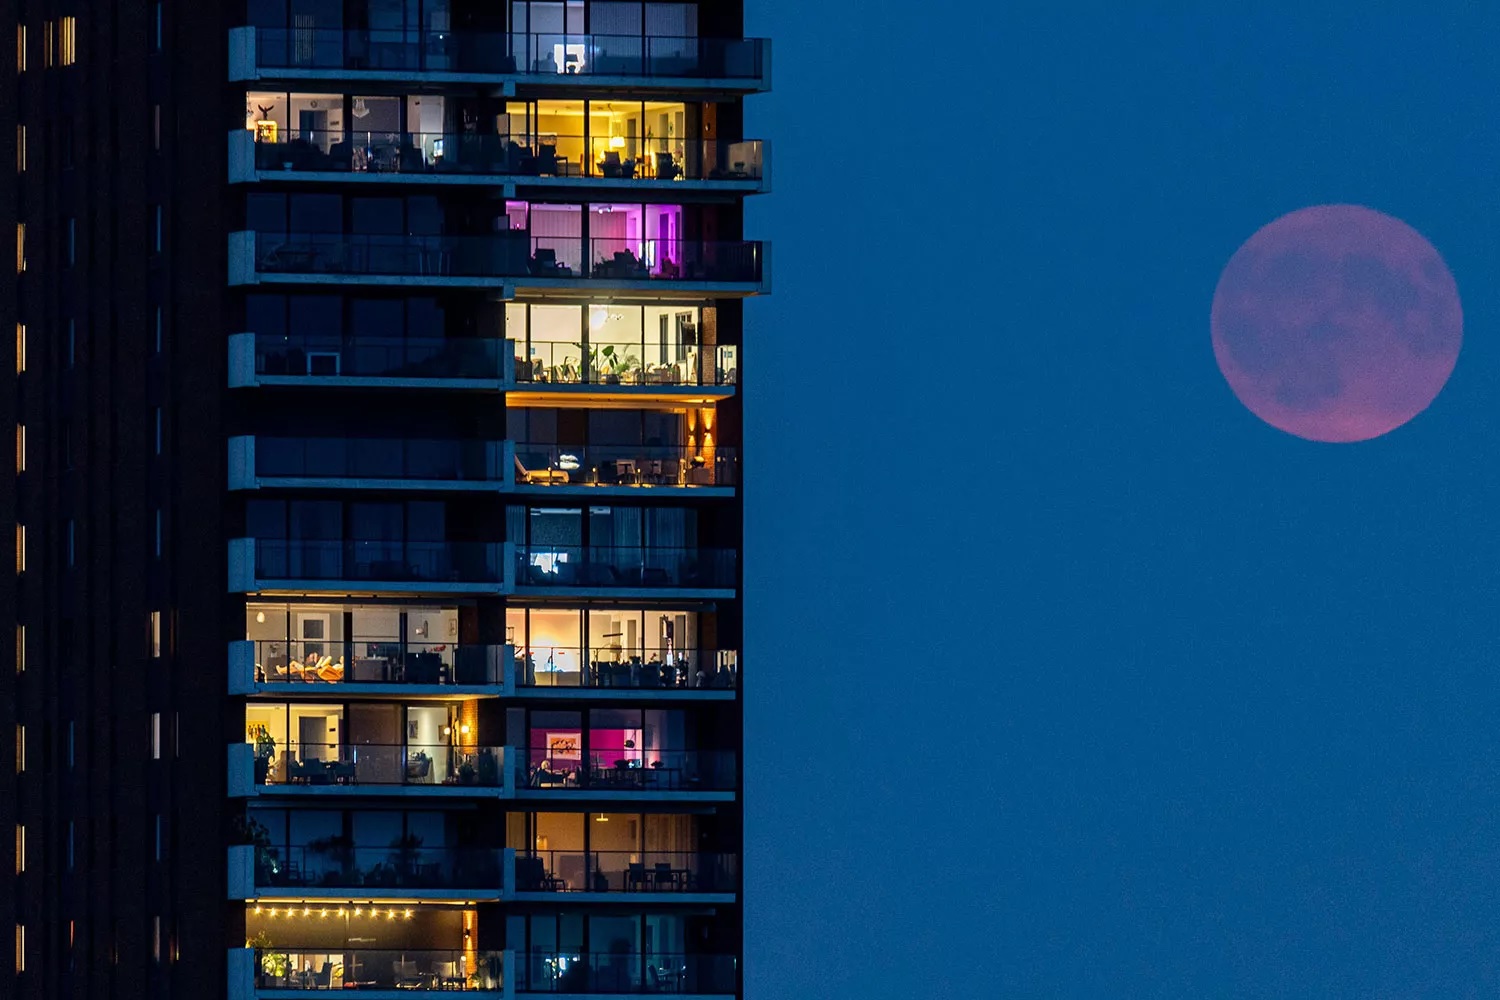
[{"x": 1066, "y": 676}]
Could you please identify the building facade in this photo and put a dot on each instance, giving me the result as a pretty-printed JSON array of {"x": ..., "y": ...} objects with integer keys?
[{"x": 378, "y": 506}]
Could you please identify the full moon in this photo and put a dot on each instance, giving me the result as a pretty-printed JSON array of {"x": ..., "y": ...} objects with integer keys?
[{"x": 1336, "y": 323}]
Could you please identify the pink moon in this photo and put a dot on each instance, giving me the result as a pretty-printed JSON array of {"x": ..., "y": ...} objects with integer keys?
[{"x": 1336, "y": 323}]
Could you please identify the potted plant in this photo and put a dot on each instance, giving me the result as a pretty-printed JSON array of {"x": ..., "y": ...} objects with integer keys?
[
  {"x": 339, "y": 849},
  {"x": 265, "y": 752},
  {"x": 248, "y": 831},
  {"x": 273, "y": 964},
  {"x": 467, "y": 773}
]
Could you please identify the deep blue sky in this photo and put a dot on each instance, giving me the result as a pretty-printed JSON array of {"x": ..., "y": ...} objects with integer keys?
[{"x": 1070, "y": 678}]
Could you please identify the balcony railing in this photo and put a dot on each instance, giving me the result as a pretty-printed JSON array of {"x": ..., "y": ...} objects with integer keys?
[
  {"x": 508, "y": 255},
  {"x": 624, "y": 465},
  {"x": 568, "y": 364},
  {"x": 627, "y": 973},
  {"x": 669, "y": 58},
  {"x": 382, "y": 764},
  {"x": 375, "y": 661},
  {"x": 335, "y": 864},
  {"x": 611, "y": 667},
  {"x": 633, "y": 771},
  {"x": 383, "y": 969},
  {"x": 626, "y": 871},
  {"x": 601, "y": 157},
  {"x": 398, "y": 562},
  {"x": 435, "y": 460},
  {"x": 539, "y": 565},
  {"x": 361, "y": 356}
]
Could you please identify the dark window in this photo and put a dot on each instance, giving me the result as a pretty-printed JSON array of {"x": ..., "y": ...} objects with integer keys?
[
  {"x": 316, "y": 213},
  {"x": 266, "y": 315},
  {"x": 265, "y": 213}
]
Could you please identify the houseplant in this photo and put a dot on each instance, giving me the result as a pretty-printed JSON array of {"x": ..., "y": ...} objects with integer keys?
[
  {"x": 273, "y": 964},
  {"x": 265, "y": 752},
  {"x": 339, "y": 849}
]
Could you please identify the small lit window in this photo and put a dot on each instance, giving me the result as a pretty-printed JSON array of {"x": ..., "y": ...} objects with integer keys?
[
  {"x": 20, "y": 749},
  {"x": 20, "y": 48},
  {"x": 20, "y": 448},
  {"x": 21, "y": 148},
  {"x": 156, "y": 633},
  {"x": 20, "y": 548},
  {"x": 20, "y": 348},
  {"x": 20, "y": 247},
  {"x": 20, "y": 848},
  {"x": 156, "y": 939},
  {"x": 156, "y": 736},
  {"x": 68, "y": 41},
  {"x": 20, "y": 948},
  {"x": 49, "y": 42},
  {"x": 20, "y": 649}
]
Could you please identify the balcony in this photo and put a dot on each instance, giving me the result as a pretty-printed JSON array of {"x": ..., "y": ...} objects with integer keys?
[
  {"x": 623, "y": 469},
  {"x": 707, "y": 373},
  {"x": 667, "y": 775},
  {"x": 644, "y": 876},
  {"x": 367, "y": 666},
  {"x": 448, "y": 465},
  {"x": 508, "y": 259},
  {"x": 362, "y": 567},
  {"x": 734, "y": 65},
  {"x": 370, "y": 362},
  {"x": 378, "y": 974},
  {"x": 437, "y": 158},
  {"x": 401, "y": 870},
  {"x": 403, "y": 769},
  {"x": 549, "y": 673},
  {"x": 604, "y": 571},
  {"x": 617, "y": 974}
]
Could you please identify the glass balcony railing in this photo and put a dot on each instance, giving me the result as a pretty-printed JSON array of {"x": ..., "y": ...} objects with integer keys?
[
  {"x": 612, "y": 667},
  {"x": 334, "y": 863},
  {"x": 380, "y": 357},
  {"x": 375, "y": 661},
  {"x": 377, "y": 969},
  {"x": 400, "y": 562},
  {"x": 626, "y": 871},
  {"x": 381, "y": 764},
  {"x": 539, "y": 565},
  {"x": 568, "y": 364},
  {"x": 670, "y": 58},
  {"x": 627, "y": 973},
  {"x": 624, "y": 465},
  {"x": 439, "y": 460},
  {"x": 632, "y": 770},
  {"x": 602, "y": 157},
  {"x": 509, "y": 255}
]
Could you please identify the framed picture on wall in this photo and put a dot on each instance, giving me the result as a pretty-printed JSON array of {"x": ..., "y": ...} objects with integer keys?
[
  {"x": 411, "y": 730},
  {"x": 564, "y": 746}
]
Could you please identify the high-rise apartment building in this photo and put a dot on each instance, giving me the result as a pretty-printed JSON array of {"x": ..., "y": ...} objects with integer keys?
[{"x": 377, "y": 502}]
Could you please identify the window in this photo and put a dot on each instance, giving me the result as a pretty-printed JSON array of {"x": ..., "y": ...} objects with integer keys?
[
  {"x": 49, "y": 42},
  {"x": 158, "y": 430},
  {"x": 20, "y": 348},
  {"x": 68, "y": 41},
  {"x": 20, "y": 749},
  {"x": 20, "y": 649},
  {"x": 156, "y": 736},
  {"x": 21, "y": 149},
  {"x": 20, "y": 247},
  {"x": 156, "y": 633},
  {"x": 20, "y": 548},
  {"x": 156, "y": 35},
  {"x": 20, "y": 948},
  {"x": 20, "y": 848},
  {"x": 20, "y": 48},
  {"x": 156, "y": 939},
  {"x": 20, "y": 448},
  {"x": 158, "y": 329}
]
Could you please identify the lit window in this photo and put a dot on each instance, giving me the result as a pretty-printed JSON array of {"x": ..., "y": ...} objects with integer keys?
[
  {"x": 20, "y": 948},
  {"x": 20, "y": 48},
  {"x": 156, "y": 736},
  {"x": 156, "y": 633},
  {"x": 20, "y": 848},
  {"x": 156, "y": 939},
  {"x": 21, "y": 148},
  {"x": 20, "y": 247},
  {"x": 20, "y": 749},
  {"x": 20, "y": 648},
  {"x": 68, "y": 39},
  {"x": 20, "y": 348},
  {"x": 20, "y": 448},
  {"x": 49, "y": 36},
  {"x": 20, "y": 548}
]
